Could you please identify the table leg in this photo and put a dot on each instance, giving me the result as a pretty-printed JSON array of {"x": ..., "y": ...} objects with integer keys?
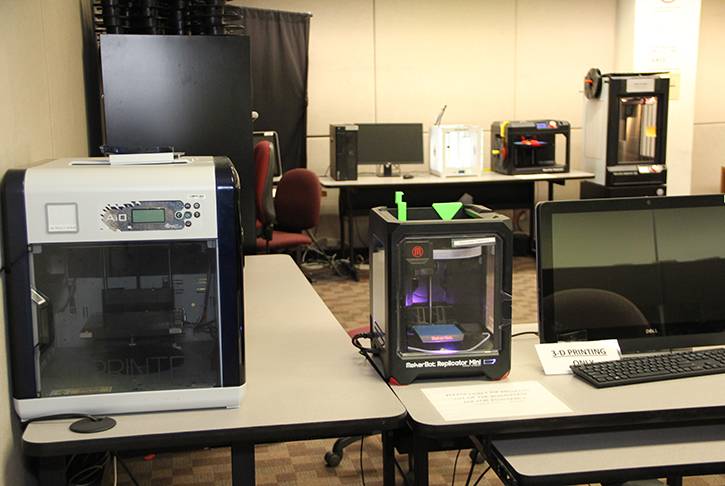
[
  {"x": 350, "y": 232},
  {"x": 51, "y": 471},
  {"x": 674, "y": 481},
  {"x": 388, "y": 459},
  {"x": 551, "y": 191},
  {"x": 532, "y": 217},
  {"x": 341, "y": 217},
  {"x": 420, "y": 462},
  {"x": 243, "y": 465}
]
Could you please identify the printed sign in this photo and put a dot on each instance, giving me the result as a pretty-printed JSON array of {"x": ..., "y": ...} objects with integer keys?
[
  {"x": 494, "y": 400},
  {"x": 556, "y": 358}
]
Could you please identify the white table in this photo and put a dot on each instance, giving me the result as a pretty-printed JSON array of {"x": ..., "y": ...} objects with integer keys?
[
  {"x": 671, "y": 403},
  {"x": 419, "y": 178},
  {"x": 304, "y": 381}
]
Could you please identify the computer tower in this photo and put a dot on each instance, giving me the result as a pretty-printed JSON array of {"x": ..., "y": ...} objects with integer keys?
[{"x": 343, "y": 152}]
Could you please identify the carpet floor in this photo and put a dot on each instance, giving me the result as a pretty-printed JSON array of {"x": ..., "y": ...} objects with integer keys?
[{"x": 301, "y": 463}]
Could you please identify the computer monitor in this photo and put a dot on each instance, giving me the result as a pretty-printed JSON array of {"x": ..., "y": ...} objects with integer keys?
[
  {"x": 272, "y": 138},
  {"x": 649, "y": 272},
  {"x": 390, "y": 143}
]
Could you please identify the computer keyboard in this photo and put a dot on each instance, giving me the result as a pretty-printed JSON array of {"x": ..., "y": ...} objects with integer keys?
[{"x": 642, "y": 369}]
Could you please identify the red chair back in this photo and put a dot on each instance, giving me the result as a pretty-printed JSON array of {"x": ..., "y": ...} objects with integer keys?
[
  {"x": 264, "y": 201},
  {"x": 297, "y": 202}
]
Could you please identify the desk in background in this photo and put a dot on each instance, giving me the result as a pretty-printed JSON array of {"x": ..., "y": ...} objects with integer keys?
[
  {"x": 301, "y": 375},
  {"x": 659, "y": 407},
  {"x": 494, "y": 190}
]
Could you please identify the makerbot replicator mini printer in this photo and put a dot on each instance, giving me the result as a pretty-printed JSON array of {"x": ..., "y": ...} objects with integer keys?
[
  {"x": 123, "y": 286},
  {"x": 529, "y": 147},
  {"x": 440, "y": 292}
]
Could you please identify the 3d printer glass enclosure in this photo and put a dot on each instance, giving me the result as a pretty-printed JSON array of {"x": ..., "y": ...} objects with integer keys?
[
  {"x": 530, "y": 147},
  {"x": 126, "y": 317},
  {"x": 456, "y": 150},
  {"x": 636, "y": 129},
  {"x": 117, "y": 301},
  {"x": 440, "y": 293}
]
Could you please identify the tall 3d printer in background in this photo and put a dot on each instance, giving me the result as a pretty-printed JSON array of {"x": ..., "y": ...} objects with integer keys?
[
  {"x": 124, "y": 286},
  {"x": 529, "y": 147},
  {"x": 440, "y": 293},
  {"x": 625, "y": 134}
]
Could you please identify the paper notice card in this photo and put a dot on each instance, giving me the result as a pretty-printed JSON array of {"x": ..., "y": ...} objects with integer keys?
[
  {"x": 494, "y": 400},
  {"x": 556, "y": 358}
]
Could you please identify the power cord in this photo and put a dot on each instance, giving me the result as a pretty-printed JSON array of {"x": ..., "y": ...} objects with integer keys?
[
  {"x": 455, "y": 465},
  {"x": 482, "y": 475},
  {"x": 62, "y": 416},
  {"x": 368, "y": 352},
  {"x": 86, "y": 469},
  {"x": 88, "y": 424},
  {"x": 364, "y": 335},
  {"x": 362, "y": 469},
  {"x": 470, "y": 472},
  {"x": 524, "y": 333}
]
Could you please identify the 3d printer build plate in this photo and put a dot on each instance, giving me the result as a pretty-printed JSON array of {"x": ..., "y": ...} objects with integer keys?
[{"x": 438, "y": 333}]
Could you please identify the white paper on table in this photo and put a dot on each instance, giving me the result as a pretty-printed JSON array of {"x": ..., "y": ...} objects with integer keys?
[{"x": 494, "y": 400}]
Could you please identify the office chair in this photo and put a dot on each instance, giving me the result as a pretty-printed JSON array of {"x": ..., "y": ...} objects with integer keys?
[
  {"x": 264, "y": 202},
  {"x": 296, "y": 207}
]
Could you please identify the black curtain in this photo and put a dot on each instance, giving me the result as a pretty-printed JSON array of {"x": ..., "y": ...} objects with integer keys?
[{"x": 279, "y": 55}]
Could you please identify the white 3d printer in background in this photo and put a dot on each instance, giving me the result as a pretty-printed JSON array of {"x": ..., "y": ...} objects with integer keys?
[
  {"x": 123, "y": 288},
  {"x": 455, "y": 150}
]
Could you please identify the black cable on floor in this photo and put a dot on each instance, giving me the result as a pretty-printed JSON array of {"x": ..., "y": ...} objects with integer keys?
[
  {"x": 362, "y": 470},
  {"x": 86, "y": 469},
  {"x": 455, "y": 464},
  {"x": 524, "y": 333},
  {"x": 482, "y": 475},
  {"x": 128, "y": 471},
  {"x": 470, "y": 472}
]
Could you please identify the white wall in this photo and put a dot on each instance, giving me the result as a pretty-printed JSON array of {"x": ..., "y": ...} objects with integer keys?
[
  {"x": 42, "y": 115},
  {"x": 709, "y": 133},
  {"x": 402, "y": 60},
  {"x": 665, "y": 38}
]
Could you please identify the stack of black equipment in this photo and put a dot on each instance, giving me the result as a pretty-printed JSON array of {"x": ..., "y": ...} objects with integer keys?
[{"x": 174, "y": 17}]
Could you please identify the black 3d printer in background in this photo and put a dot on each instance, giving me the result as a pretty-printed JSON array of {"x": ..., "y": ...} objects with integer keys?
[
  {"x": 440, "y": 292},
  {"x": 625, "y": 134},
  {"x": 528, "y": 147}
]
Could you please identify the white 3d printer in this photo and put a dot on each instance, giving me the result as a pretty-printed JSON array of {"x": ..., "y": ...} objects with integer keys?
[
  {"x": 124, "y": 286},
  {"x": 456, "y": 150}
]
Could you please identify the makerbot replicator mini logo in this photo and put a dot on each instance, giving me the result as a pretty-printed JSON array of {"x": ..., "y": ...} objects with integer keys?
[
  {"x": 417, "y": 251},
  {"x": 460, "y": 363}
]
